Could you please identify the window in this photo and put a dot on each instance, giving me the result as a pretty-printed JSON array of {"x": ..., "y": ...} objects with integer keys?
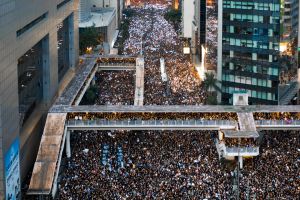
[
  {"x": 62, "y": 3},
  {"x": 31, "y": 24}
]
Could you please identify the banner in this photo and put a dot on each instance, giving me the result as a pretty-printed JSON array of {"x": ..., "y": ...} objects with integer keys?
[{"x": 12, "y": 172}]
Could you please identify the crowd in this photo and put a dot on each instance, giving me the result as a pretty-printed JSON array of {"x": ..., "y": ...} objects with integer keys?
[
  {"x": 277, "y": 116},
  {"x": 116, "y": 60},
  {"x": 275, "y": 173},
  {"x": 176, "y": 165},
  {"x": 211, "y": 36},
  {"x": 154, "y": 116},
  {"x": 243, "y": 142},
  {"x": 115, "y": 87},
  {"x": 171, "y": 164},
  {"x": 183, "y": 116},
  {"x": 186, "y": 166},
  {"x": 153, "y": 36}
]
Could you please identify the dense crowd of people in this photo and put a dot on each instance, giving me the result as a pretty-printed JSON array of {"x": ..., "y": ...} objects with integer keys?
[
  {"x": 157, "y": 37},
  {"x": 184, "y": 116},
  {"x": 116, "y": 60},
  {"x": 176, "y": 165},
  {"x": 153, "y": 36},
  {"x": 127, "y": 165},
  {"x": 243, "y": 142},
  {"x": 154, "y": 116},
  {"x": 275, "y": 173},
  {"x": 211, "y": 36},
  {"x": 276, "y": 116},
  {"x": 171, "y": 164},
  {"x": 115, "y": 87}
]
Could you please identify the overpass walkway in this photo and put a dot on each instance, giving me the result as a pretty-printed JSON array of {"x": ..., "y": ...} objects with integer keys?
[
  {"x": 150, "y": 124},
  {"x": 174, "y": 108},
  {"x": 115, "y": 66},
  {"x": 57, "y": 133}
]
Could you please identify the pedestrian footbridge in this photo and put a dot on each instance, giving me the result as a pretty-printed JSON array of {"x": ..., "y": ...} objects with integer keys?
[
  {"x": 150, "y": 124},
  {"x": 56, "y": 137}
]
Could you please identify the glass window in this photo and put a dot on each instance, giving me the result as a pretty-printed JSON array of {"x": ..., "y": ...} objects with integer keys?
[
  {"x": 254, "y": 81},
  {"x": 253, "y": 93}
]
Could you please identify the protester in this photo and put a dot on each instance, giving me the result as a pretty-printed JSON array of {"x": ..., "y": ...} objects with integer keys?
[{"x": 176, "y": 165}]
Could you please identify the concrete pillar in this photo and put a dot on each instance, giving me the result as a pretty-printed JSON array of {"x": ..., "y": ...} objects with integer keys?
[
  {"x": 219, "y": 50},
  {"x": 241, "y": 162},
  {"x": 46, "y": 69},
  {"x": 68, "y": 144},
  {"x": 72, "y": 52}
]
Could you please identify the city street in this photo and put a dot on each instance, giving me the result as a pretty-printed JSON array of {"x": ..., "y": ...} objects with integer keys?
[{"x": 150, "y": 31}]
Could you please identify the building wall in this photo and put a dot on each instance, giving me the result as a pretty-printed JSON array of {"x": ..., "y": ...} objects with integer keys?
[
  {"x": 187, "y": 18},
  {"x": 15, "y": 16},
  {"x": 250, "y": 49},
  {"x": 290, "y": 18},
  {"x": 117, "y": 4},
  {"x": 199, "y": 27},
  {"x": 111, "y": 29}
]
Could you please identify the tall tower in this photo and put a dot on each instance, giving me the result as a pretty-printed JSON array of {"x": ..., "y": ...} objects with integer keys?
[{"x": 248, "y": 51}]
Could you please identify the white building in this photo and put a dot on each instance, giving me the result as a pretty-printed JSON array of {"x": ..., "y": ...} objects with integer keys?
[
  {"x": 38, "y": 46},
  {"x": 117, "y": 4},
  {"x": 102, "y": 15},
  {"x": 187, "y": 17}
]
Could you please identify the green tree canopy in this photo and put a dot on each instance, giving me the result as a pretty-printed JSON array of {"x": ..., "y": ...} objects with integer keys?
[
  {"x": 210, "y": 82},
  {"x": 89, "y": 37}
]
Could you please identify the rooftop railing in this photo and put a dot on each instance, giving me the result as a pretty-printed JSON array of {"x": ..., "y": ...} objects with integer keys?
[{"x": 141, "y": 123}]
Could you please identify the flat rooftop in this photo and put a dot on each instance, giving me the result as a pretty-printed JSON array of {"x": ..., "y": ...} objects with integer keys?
[{"x": 100, "y": 17}]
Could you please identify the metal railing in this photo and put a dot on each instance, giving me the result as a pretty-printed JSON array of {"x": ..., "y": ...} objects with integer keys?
[
  {"x": 277, "y": 122},
  {"x": 242, "y": 149},
  {"x": 141, "y": 123},
  {"x": 116, "y": 64}
]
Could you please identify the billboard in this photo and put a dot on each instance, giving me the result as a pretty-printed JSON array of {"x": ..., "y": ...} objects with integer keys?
[{"x": 12, "y": 172}]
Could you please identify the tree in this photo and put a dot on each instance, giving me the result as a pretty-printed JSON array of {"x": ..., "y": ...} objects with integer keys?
[
  {"x": 210, "y": 83},
  {"x": 89, "y": 37}
]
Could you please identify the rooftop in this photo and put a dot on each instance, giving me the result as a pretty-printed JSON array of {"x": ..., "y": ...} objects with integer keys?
[{"x": 100, "y": 17}]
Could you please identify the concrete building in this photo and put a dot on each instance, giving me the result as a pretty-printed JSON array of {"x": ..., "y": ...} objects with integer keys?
[
  {"x": 248, "y": 51},
  {"x": 256, "y": 52},
  {"x": 102, "y": 16},
  {"x": 290, "y": 18},
  {"x": 38, "y": 46},
  {"x": 199, "y": 28},
  {"x": 117, "y": 4},
  {"x": 187, "y": 10}
]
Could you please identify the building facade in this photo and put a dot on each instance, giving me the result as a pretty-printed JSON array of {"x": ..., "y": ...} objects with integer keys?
[
  {"x": 248, "y": 51},
  {"x": 290, "y": 18},
  {"x": 38, "y": 45},
  {"x": 187, "y": 10},
  {"x": 117, "y": 4},
  {"x": 199, "y": 28}
]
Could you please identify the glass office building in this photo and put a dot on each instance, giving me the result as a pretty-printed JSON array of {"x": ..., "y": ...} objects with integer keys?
[{"x": 249, "y": 57}]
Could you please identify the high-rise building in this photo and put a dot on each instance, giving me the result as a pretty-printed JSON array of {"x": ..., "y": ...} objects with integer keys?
[
  {"x": 290, "y": 18},
  {"x": 38, "y": 45},
  {"x": 199, "y": 28},
  {"x": 248, "y": 51},
  {"x": 187, "y": 10}
]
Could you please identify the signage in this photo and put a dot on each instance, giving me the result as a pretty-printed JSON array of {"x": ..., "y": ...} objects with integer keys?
[{"x": 12, "y": 172}]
